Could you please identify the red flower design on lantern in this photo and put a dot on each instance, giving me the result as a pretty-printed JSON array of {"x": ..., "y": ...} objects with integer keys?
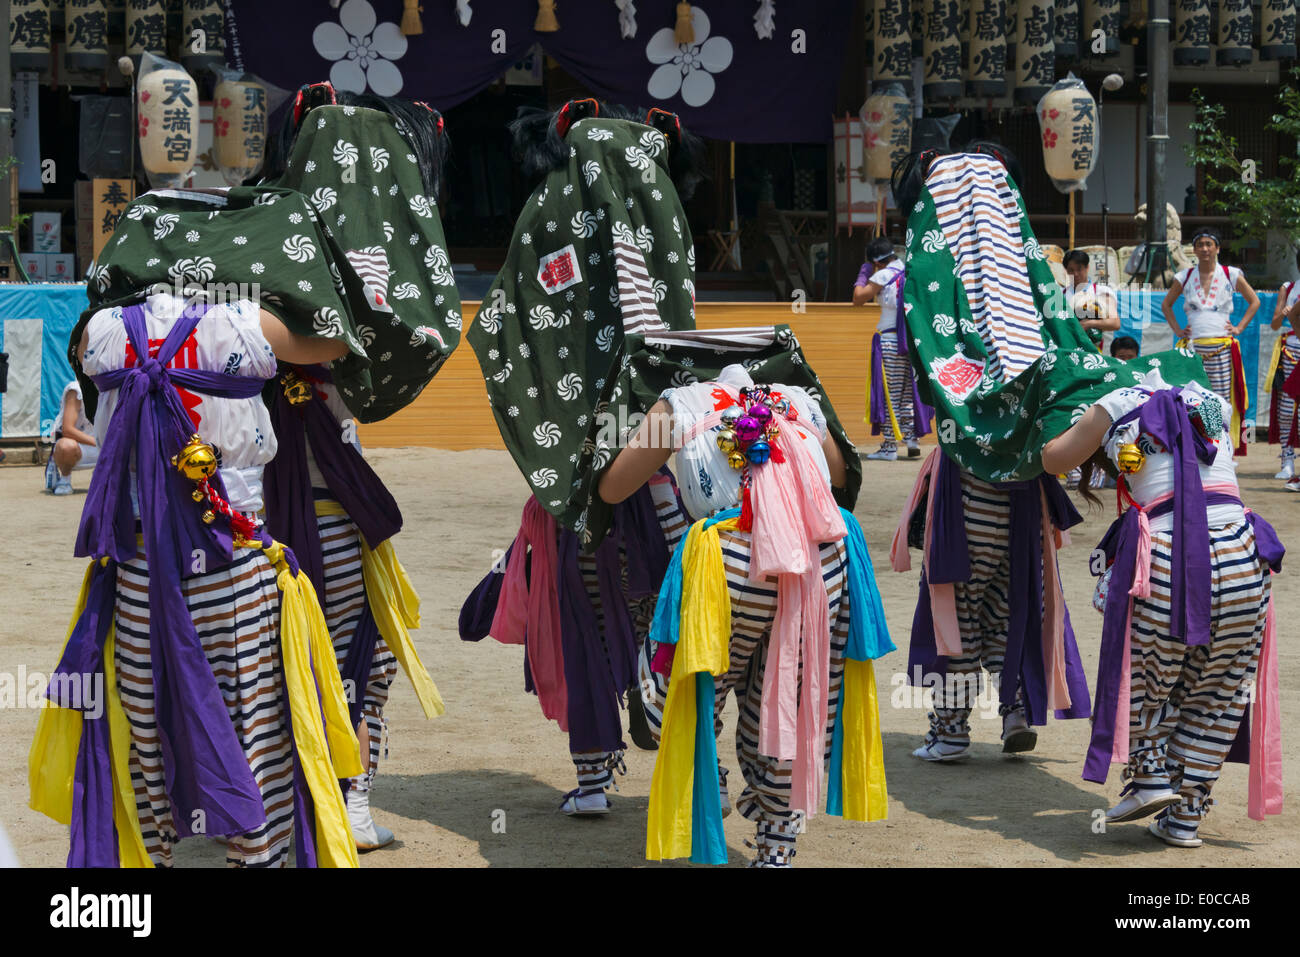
[
  {"x": 220, "y": 126},
  {"x": 1049, "y": 139},
  {"x": 144, "y": 126}
]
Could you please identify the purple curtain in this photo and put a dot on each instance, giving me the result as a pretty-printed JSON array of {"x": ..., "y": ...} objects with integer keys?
[{"x": 728, "y": 85}]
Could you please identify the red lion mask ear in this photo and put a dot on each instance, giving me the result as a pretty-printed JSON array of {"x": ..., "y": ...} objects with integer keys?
[
  {"x": 573, "y": 111},
  {"x": 666, "y": 123},
  {"x": 310, "y": 96}
]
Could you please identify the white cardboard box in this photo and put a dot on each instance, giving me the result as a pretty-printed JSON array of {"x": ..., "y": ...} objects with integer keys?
[
  {"x": 59, "y": 267},
  {"x": 35, "y": 264},
  {"x": 47, "y": 232}
]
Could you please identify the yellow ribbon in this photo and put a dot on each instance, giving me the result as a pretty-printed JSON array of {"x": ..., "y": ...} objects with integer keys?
[
  {"x": 52, "y": 760},
  {"x": 889, "y": 401},
  {"x": 396, "y": 608},
  {"x": 1279, "y": 350},
  {"x": 703, "y": 644},
  {"x": 862, "y": 769},
  {"x": 327, "y": 748}
]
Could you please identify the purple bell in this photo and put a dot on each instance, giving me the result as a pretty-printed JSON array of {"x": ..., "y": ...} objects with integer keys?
[
  {"x": 761, "y": 412},
  {"x": 748, "y": 428}
]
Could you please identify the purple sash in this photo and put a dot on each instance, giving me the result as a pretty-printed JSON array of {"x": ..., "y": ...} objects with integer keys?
[
  {"x": 950, "y": 563},
  {"x": 204, "y": 765},
  {"x": 600, "y": 651},
  {"x": 1120, "y": 544},
  {"x": 290, "y": 513}
]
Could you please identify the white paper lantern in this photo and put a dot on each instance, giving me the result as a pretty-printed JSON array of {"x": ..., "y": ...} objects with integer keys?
[
  {"x": 886, "y": 129},
  {"x": 146, "y": 27},
  {"x": 941, "y": 50},
  {"x": 1067, "y": 120},
  {"x": 239, "y": 128},
  {"x": 893, "y": 43},
  {"x": 169, "y": 124},
  {"x": 986, "y": 69},
  {"x": 1236, "y": 21},
  {"x": 86, "y": 25},
  {"x": 203, "y": 24},
  {"x": 1277, "y": 30},
  {"x": 29, "y": 34},
  {"x": 1191, "y": 32},
  {"x": 1035, "y": 50},
  {"x": 1100, "y": 15}
]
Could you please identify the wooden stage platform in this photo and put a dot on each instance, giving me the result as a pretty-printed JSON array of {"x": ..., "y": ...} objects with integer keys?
[{"x": 453, "y": 411}]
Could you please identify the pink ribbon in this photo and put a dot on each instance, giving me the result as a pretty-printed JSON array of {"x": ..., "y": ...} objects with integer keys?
[
  {"x": 529, "y": 595},
  {"x": 794, "y": 513}
]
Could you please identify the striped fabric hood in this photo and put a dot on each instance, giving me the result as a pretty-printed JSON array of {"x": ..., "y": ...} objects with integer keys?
[
  {"x": 601, "y": 250},
  {"x": 996, "y": 350}
]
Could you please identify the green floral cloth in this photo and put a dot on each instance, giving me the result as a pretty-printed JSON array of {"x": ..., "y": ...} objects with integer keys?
[
  {"x": 601, "y": 248},
  {"x": 345, "y": 247},
  {"x": 650, "y": 364},
  {"x": 1000, "y": 390}
]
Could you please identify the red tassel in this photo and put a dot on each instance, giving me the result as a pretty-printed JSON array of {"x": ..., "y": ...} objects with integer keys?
[{"x": 746, "y": 512}]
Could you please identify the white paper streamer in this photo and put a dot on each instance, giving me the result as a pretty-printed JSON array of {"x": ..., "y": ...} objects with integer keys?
[
  {"x": 626, "y": 18},
  {"x": 764, "y": 20},
  {"x": 463, "y": 12}
]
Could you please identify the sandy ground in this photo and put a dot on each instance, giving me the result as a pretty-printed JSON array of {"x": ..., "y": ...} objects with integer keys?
[{"x": 492, "y": 758}]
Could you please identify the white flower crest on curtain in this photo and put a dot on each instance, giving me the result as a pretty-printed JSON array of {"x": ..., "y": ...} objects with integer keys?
[
  {"x": 463, "y": 12},
  {"x": 626, "y": 18},
  {"x": 764, "y": 19},
  {"x": 687, "y": 67},
  {"x": 363, "y": 50}
]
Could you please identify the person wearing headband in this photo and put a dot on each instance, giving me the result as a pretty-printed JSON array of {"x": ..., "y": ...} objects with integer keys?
[
  {"x": 1207, "y": 292},
  {"x": 1282, "y": 423},
  {"x": 894, "y": 406}
]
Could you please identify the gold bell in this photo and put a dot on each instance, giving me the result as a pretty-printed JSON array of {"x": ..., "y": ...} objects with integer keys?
[
  {"x": 727, "y": 440},
  {"x": 209, "y": 517},
  {"x": 737, "y": 460},
  {"x": 1130, "y": 458},
  {"x": 197, "y": 460},
  {"x": 296, "y": 390},
  {"x": 197, "y": 495}
]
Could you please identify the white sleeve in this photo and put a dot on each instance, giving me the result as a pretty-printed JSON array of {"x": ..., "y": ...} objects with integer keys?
[
  {"x": 1122, "y": 401},
  {"x": 105, "y": 342},
  {"x": 250, "y": 351}
]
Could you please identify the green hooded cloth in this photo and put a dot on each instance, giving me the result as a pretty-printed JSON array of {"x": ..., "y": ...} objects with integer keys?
[
  {"x": 601, "y": 249},
  {"x": 649, "y": 364},
  {"x": 997, "y": 353},
  {"x": 360, "y": 257}
]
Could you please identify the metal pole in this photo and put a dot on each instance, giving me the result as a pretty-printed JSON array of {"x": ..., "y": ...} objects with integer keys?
[
  {"x": 8, "y": 192},
  {"x": 1158, "y": 134}
]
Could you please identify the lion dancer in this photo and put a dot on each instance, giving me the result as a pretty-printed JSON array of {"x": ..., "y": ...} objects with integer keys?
[
  {"x": 896, "y": 408},
  {"x": 770, "y": 597},
  {"x": 1189, "y": 646},
  {"x": 225, "y": 714},
  {"x": 1206, "y": 290},
  {"x": 323, "y": 498},
  {"x": 1282, "y": 425},
  {"x": 602, "y": 249}
]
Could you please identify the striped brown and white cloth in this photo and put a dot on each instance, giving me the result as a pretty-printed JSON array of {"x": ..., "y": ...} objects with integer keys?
[
  {"x": 1187, "y": 702},
  {"x": 980, "y": 219},
  {"x": 236, "y": 611}
]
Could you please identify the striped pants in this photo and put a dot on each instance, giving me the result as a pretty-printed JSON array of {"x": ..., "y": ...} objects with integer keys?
[
  {"x": 1286, "y": 405},
  {"x": 766, "y": 796},
  {"x": 343, "y": 602},
  {"x": 1217, "y": 360},
  {"x": 1188, "y": 701},
  {"x": 898, "y": 375},
  {"x": 983, "y": 612},
  {"x": 596, "y": 768},
  {"x": 236, "y": 612}
]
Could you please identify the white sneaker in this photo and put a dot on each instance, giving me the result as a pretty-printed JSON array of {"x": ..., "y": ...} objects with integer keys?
[
  {"x": 1293, "y": 485},
  {"x": 579, "y": 803},
  {"x": 365, "y": 831},
  {"x": 1287, "y": 472},
  {"x": 1157, "y": 827},
  {"x": 941, "y": 751},
  {"x": 884, "y": 455},
  {"x": 1137, "y": 805},
  {"x": 63, "y": 485}
]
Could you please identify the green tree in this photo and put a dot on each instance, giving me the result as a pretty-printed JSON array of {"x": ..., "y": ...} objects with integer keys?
[{"x": 1233, "y": 185}]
